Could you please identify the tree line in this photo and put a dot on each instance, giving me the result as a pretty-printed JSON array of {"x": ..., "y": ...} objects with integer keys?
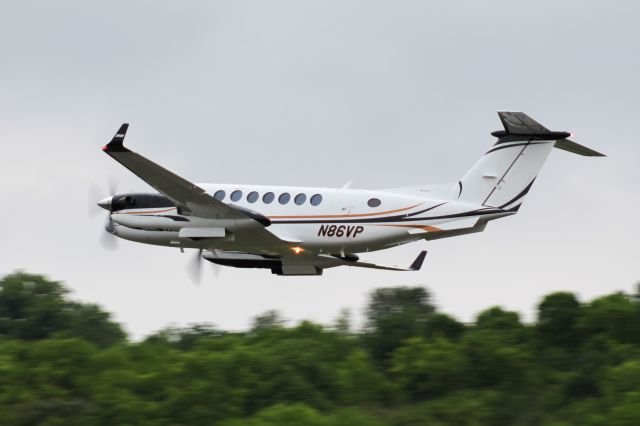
[{"x": 68, "y": 363}]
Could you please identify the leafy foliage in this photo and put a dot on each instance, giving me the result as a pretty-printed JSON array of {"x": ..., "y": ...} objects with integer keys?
[
  {"x": 32, "y": 308},
  {"x": 66, "y": 363}
]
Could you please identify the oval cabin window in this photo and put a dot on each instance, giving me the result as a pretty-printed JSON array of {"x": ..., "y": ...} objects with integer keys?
[
  {"x": 300, "y": 199},
  {"x": 316, "y": 199},
  {"x": 284, "y": 198},
  {"x": 374, "y": 202},
  {"x": 268, "y": 198},
  {"x": 252, "y": 197}
]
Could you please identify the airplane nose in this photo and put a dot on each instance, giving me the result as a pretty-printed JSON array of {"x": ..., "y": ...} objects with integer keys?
[{"x": 105, "y": 203}]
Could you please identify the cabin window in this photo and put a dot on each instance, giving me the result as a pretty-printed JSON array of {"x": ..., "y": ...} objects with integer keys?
[
  {"x": 252, "y": 197},
  {"x": 316, "y": 199},
  {"x": 284, "y": 198},
  {"x": 268, "y": 198},
  {"x": 374, "y": 202},
  {"x": 300, "y": 199},
  {"x": 219, "y": 195},
  {"x": 236, "y": 195}
]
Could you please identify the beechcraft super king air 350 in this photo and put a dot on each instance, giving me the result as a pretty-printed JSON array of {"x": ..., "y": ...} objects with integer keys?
[{"x": 304, "y": 230}]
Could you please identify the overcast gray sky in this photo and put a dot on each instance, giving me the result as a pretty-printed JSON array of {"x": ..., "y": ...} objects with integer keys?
[{"x": 318, "y": 93}]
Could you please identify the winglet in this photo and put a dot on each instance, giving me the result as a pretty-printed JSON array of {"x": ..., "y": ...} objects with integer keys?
[
  {"x": 417, "y": 264},
  {"x": 116, "y": 144}
]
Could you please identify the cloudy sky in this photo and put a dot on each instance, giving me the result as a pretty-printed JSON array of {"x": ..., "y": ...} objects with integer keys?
[{"x": 319, "y": 93}]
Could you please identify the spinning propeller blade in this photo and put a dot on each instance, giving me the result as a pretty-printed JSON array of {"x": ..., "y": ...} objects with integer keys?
[
  {"x": 194, "y": 268},
  {"x": 108, "y": 240}
]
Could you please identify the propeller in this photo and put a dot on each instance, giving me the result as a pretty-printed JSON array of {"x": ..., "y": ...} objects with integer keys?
[
  {"x": 96, "y": 193},
  {"x": 108, "y": 240},
  {"x": 194, "y": 268}
]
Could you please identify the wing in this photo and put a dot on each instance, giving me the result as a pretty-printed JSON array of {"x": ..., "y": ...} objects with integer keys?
[
  {"x": 248, "y": 226},
  {"x": 304, "y": 264},
  {"x": 187, "y": 195},
  {"x": 331, "y": 261}
]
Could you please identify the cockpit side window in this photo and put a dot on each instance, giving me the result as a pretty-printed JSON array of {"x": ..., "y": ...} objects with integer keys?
[
  {"x": 140, "y": 201},
  {"x": 123, "y": 202}
]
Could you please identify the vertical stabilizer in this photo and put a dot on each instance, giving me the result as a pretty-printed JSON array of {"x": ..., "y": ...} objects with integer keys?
[{"x": 504, "y": 175}]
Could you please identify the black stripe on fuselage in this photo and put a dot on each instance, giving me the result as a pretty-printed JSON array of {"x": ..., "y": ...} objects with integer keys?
[
  {"x": 520, "y": 195},
  {"x": 174, "y": 218},
  {"x": 425, "y": 210},
  {"x": 396, "y": 218},
  {"x": 505, "y": 137},
  {"x": 404, "y": 218},
  {"x": 499, "y": 147}
]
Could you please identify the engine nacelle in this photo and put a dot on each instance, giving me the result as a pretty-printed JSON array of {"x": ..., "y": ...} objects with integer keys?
[{"x": 151, "y": 223}]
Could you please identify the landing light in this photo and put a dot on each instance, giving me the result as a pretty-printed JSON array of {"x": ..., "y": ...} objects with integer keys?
[{"x": 297, "y": 250}]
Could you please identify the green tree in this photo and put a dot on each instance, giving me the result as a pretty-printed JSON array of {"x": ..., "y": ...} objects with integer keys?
[
  {"x": 268, "y": 320},
  {"x": 52, "y": 381},
  {"x": 302, "y": 415},
  {"x": 499, "y": 320},
  {"x": 66, "y": 363},
  {"x": 32, "y": 307},
  {"x": 427, "y": 369},
  {"x": 359, "y": 382},
  {"x": 621, "y": 386},
  {"x": 443, "y": 325},
  {"x": 342, "y": 323},
  {"x": 394, "y": 315},
  {"x": 616, "y": 317},
  {"x": 558, "y": 315}
]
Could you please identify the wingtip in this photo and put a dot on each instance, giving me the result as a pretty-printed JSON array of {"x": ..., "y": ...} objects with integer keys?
[
  {"x": 417, "y": 263},
  {"x": 117, "y": 142}
]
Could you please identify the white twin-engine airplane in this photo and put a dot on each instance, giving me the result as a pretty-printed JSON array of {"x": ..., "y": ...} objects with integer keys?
[{"x": 303, "y": 230}]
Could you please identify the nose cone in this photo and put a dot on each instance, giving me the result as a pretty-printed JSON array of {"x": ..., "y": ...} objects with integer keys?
[{"x": 105, "y": 203}]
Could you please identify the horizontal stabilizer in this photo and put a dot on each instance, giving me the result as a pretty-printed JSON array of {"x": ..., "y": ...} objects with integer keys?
[
  {"x": 519, "y": 123},
  {"x": 519, "y": 126},
  {"x": 576, "y": 148}
]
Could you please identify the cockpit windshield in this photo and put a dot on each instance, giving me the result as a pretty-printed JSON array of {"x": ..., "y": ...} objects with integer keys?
[{"x": 139, "y": 201}]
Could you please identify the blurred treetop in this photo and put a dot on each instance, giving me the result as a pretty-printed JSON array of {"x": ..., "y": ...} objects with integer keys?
[{"x": 67, "y": 363}]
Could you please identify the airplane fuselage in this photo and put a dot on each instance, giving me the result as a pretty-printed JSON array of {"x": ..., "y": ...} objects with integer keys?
[{"x": 343, "y": 220}]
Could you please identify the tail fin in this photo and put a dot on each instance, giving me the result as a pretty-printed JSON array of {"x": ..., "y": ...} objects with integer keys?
[{"x": 504, "y": 175}]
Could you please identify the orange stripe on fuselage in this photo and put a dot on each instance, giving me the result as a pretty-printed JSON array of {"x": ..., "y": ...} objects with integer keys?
[
  {"x": 331, "y": 216},
  {"x": 423, "y": 227}
]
